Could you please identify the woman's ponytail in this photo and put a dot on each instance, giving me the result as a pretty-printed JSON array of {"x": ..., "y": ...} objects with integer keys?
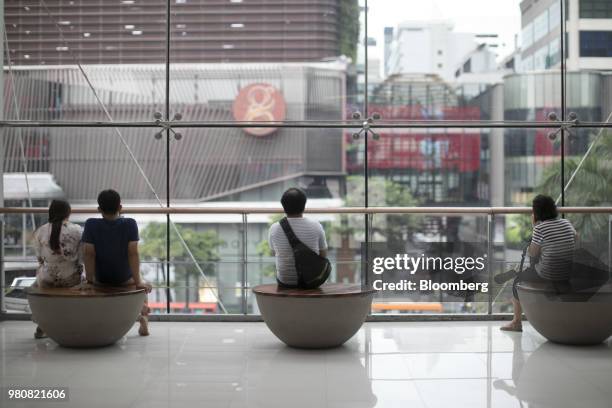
[
  {"x": 59, "y": 210},
  {"x": 54, "y": 241}
]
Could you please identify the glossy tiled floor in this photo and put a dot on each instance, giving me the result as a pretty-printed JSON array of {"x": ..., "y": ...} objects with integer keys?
[{"x": 429, "y": 364}]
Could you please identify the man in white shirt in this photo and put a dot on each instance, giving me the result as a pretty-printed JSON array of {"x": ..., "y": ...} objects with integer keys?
[{"x": 308, "y": 231}]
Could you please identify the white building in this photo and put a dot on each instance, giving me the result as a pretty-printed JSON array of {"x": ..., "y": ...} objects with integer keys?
[
  {"x": 588, "y": 39},
  {"x": 477, "y": 70},
  {"x": 374, "y": 62},
  {"x": 426, "y": 47}
]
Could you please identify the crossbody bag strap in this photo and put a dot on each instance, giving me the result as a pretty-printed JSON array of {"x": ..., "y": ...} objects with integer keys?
[{"x": 291, "y": 237}]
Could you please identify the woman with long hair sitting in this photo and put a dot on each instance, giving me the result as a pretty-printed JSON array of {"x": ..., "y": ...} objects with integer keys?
[{"x": 58, "y": 249}]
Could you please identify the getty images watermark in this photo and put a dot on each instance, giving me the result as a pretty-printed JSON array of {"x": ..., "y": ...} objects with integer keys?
[{"x": 435, "y": 273}]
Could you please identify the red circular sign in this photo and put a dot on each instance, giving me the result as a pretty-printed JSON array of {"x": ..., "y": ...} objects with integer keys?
[{"x": 259, "y": 102}]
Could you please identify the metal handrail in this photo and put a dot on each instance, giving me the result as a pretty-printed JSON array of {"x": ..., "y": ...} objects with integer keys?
[
  {"x": 328, "y": 210},
  {"x": 349, "y": 124}
]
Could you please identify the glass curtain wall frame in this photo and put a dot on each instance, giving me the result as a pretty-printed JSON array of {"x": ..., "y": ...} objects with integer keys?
[{"x": 169, "y": 137}]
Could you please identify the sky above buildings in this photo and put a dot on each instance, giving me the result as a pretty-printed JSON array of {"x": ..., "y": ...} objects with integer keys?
[{"x": 501, "y": 17}]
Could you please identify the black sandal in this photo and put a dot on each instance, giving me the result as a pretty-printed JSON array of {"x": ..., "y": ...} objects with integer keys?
[{"x": 40, "y": 334}]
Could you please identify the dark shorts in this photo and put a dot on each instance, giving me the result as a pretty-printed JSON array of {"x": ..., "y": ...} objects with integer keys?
[{"x": 530, "y": 275}]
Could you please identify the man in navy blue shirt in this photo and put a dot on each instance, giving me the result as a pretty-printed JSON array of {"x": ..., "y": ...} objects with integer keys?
[{"x": 111, "y": 250}]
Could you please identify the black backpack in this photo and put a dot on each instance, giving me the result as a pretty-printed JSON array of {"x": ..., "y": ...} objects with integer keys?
[{"x": 312, "y": 269}]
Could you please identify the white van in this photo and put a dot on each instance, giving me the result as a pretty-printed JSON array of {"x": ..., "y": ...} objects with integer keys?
[{"x": 15, "y": 299}]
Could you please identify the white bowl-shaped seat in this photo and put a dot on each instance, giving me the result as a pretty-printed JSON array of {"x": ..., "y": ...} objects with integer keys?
[
  {"x": 316, "y": 318},
  {"x": 93, "y": 317},
  {"x": 568, "y": 316}
]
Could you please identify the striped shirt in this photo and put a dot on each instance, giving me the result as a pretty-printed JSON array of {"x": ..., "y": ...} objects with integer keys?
[
  {"x": 308, "y": 231},
  {"x": 557, "y": 240}
]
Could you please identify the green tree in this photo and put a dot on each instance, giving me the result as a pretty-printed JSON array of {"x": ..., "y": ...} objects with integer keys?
[
  {"x": 348, "y": 33},
  {"x": 590, "y": 187},
  {"x": 264, "y": 250},
  {"x": 518, "y": 230},
  {"x": 203, "y": 245},
  {"x": 395, "y": 229}
]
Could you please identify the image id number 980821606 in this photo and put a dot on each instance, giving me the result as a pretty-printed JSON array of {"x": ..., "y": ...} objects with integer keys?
[{"x": 36, "y": 394}]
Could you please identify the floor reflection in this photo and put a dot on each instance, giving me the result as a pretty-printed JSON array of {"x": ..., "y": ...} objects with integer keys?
[
  {"x": 310, "y": 378},
  {"x": 556, "y": 376},
  {"x": 386, "y": 365}
]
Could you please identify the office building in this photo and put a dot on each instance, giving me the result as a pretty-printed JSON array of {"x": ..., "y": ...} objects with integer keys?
[
  {"x": 426, "y": 47},
  {"x": 588, "y": 38},
  {"x": 130, "y": 32},
  {"x": 587, "y": 85}
]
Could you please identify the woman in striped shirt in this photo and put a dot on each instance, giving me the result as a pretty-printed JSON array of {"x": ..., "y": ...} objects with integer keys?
[{"x": 552, "y": 245}]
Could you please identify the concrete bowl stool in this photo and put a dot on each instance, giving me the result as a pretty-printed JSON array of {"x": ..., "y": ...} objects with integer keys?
[
  {"x": 576, "y": 317},
  {"x": 315, "y": 318},
  {"x": 92, "y": 317}
]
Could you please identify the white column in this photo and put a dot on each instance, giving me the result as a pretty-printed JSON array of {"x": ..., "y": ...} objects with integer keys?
[
  {"x": 496, "y": 148},
  {"x": 573, "y": 30}
]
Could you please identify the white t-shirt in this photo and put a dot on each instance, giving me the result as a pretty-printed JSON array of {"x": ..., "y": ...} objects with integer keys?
[
  {"x": 61, "y": 269},
  {"x": 311, "y": 234}
]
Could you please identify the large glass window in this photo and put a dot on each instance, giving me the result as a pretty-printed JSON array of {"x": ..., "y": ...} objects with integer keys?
[
  {"x": 528, "y": 63},
  {"x": 84, "y": 61},
  {"x": 554, "y": 52},
  {"x": 554, "y": 15},
  {"x": 527, "y": 36},
  {"x": 217, "y": 107},
  {"x": 596, "y": 43},
  {"x": 595, "y": 9},
  {"x": 540, "y": 26},
  {"x": 539, "y": 58}
]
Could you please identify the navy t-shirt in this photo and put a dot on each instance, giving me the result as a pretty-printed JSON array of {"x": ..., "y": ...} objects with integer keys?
[{"x": 110, "y": 239}]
